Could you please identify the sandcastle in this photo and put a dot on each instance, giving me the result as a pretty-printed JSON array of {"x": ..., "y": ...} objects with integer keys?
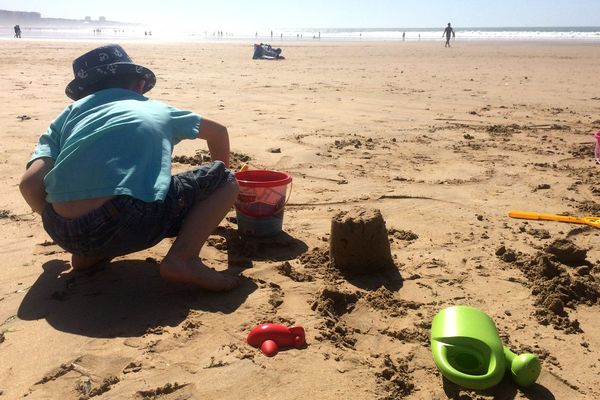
[{"x": 359, "y": 241}]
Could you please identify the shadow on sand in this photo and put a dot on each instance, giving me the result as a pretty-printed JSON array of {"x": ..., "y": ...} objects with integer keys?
[
  {"x": 506, "y": 389},
  {"x": 119, "y": 299},
  {"x": 242, "y": 250},
  {"x": 389, "y": 278}
]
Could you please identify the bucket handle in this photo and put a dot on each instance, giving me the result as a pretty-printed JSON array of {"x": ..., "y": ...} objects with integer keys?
[
  {"x": 290, "y": 194},
  {"x": 287, "y": 199}
]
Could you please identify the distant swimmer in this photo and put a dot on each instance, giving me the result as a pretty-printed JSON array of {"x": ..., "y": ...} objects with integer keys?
[{"x": 448, "y": 32}]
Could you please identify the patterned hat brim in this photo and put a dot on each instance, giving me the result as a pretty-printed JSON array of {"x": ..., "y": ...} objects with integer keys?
[{"x": 77, "y": 86}]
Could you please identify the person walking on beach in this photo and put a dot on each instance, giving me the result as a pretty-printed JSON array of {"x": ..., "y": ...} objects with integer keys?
[
  {"x": 448, "y": 32},
  {"x": 17, "y": 29},
  {"x": 100, "y": 176}
]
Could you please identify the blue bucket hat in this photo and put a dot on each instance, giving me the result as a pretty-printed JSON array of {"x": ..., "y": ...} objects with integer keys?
[{"x": 101, "y": 63}]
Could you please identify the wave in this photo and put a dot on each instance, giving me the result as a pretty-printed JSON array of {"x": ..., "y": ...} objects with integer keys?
[{"x": 326, "y": 34}]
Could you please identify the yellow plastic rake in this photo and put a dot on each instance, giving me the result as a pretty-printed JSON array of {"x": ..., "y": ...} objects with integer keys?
[{"x": 591, "y": 221}]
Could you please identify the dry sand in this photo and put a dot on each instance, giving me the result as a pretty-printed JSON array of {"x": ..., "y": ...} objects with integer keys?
[{"x": 442, "y": 141}]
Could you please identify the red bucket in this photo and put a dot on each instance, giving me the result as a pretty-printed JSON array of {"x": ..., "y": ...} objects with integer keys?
[{"x": 263, "y": 193}]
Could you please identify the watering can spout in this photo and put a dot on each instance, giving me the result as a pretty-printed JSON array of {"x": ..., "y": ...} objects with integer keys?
[{"x": 524, "y": 368}]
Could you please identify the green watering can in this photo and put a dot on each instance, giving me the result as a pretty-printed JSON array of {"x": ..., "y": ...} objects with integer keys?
[{"x": 468, "y": 351}]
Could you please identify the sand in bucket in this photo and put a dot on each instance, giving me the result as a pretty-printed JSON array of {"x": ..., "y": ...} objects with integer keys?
[{"x": 260, "y": 203}]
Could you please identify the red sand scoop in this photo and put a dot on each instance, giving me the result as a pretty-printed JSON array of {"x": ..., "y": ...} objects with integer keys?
[{"x": 271, "y": 337}]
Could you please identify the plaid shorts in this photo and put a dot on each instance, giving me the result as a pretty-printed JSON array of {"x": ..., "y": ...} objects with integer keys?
[{"x": 125, "y": 224}]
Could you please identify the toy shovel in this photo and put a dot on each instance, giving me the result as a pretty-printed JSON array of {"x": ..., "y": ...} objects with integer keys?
[{"x": 591, "y": 221}]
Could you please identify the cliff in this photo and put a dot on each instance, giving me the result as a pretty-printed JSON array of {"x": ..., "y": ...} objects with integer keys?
[{"x": 26, "y": 18}]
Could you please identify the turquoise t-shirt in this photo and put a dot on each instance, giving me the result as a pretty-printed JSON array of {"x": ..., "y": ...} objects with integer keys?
[{"x": 113, "y": 142}]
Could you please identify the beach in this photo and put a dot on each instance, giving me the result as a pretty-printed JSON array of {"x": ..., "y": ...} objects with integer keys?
[{"x": 444, "y": 142}]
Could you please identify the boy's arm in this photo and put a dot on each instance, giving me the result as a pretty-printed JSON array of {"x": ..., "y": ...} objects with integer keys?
[
  {"x": 32, "y": 183},
  {"x": 217, "y": 138}
]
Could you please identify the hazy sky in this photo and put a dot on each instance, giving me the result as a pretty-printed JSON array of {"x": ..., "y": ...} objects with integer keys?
[{"x": 229, "y": 14}]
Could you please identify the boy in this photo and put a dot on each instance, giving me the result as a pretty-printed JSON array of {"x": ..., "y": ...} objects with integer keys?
[{"x": 101, "y": 175}]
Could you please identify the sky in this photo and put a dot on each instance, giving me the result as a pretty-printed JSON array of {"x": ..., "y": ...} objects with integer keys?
[{"x": 229, "y": 14}]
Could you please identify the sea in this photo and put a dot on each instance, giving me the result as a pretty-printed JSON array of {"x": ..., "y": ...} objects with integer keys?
[{"x": 178, "y": 34}]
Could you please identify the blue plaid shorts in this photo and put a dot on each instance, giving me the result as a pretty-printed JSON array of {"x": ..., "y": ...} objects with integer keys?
[{"x": 125, "y": 224}]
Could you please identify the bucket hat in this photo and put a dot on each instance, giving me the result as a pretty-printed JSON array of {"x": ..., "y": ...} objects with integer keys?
[{"x": 101, "y": 63}]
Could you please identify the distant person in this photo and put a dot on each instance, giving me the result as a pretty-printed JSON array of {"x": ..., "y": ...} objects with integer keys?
[
  {"x": 17, "y": 31},
  {"x": 448, "y": 32},
  {"x": 403, "y": 36},
  {"x": 100, "y": 176}
]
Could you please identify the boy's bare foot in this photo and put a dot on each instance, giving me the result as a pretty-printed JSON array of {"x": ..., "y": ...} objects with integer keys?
[
  {"x": 83, "y": 262},
  {"x": 195, "y": 272}
]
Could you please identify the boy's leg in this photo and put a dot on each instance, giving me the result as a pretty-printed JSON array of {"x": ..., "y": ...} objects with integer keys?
[
  {"x": 182, "y": 263},
  {"x": 82, "y": 262}
]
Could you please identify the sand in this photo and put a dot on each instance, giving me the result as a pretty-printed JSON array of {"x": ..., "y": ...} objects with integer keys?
[{"x": 444, "y": 142}]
